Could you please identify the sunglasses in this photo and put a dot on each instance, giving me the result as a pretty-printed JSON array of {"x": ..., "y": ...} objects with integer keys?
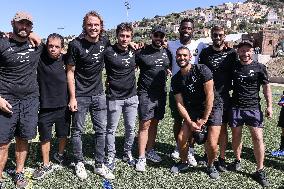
[{"x": 215, "y": 35}]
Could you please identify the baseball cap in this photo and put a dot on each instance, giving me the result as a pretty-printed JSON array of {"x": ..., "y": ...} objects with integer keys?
[
  {"x": 159, "y": 29},
  {"x": 21, "y": 15},
  {"x": 245, "y": 42}
]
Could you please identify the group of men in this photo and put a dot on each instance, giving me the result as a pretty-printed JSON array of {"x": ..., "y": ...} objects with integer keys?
[{"x": 34, "y": 81}]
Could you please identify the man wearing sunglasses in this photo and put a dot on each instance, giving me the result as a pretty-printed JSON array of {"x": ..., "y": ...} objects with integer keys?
[
  {"x": 153, "y": 61},
  {"x": 219, "y": 59},
  {"x": 186, "y": 30}
]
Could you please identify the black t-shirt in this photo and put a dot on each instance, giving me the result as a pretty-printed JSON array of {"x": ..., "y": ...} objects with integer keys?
[
  {"x": 246, "y": 85},
  {"x": 18, "y": 69},
  {"x": 191, "y": 86},
  {"x": 153, "y": 64},
  {"x": 88, "y": 60},
  {"x": 120, "y": 68},
  {"x": 221, "y": 64},
  {"x": 52, "y": 82}
]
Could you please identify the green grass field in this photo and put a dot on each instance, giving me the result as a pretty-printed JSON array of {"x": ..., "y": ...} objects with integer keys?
[{"x": 159, "y": 175}]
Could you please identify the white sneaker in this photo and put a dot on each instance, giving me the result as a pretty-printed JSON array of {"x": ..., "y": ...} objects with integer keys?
[
  {"x": 80, "y": 171},
  {"x": 190, "y": 157},
  {"x": 141, "y": 164},
  {"x": 175, "y": 153},
  {"x": 153, "y": 156},
  {"x": 104, "y": 172}
]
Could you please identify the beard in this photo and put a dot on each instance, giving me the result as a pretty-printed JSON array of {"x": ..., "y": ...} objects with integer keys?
[
  {"x": 218, "y": 43},
  {"x": 21, "y": 33},
  {"x": 186, "y": 37},
  {"x": 182, "y": 66},
  {"x": 157, "y": 44}
]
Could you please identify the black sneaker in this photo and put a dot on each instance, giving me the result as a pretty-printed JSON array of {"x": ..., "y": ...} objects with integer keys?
[
  {"x": 42, "y": 171},
  {"x": 20, "y": 181},
  {"x": 221, "y": 165},
  {"x": 236, "y": 165},
  {"x": 2, "y": 184},
  {"x": 203, "y": 160},
  {"x": 179, "y": 167},
  {"x": 261, "y": 178},
  {"x": 59, "y": 158},
  {"x": 212, "y": 172},
  {"x": 129, "y": 159}
]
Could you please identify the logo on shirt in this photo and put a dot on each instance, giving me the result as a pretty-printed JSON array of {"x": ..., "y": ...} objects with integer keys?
[{"x": 126, "y": 61}]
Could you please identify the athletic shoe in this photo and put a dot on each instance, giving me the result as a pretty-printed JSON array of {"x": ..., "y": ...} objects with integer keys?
[
  {"x": 236, "y": 165},
  {"x": 128, "y": 159},
  {"x": 2, "y": 184},
  {"x": 103, "y": 171},
  {"x": 221, "y": 165},
  {"x": 203, "y": 161},
  {"x": 175, "y": 153},
  {"x": 212, "y": 172},
  {"x": 278, "y": 153},
  {"x": 141, "y": 164},
  {"x": 110, "y": 163},
  {"x": 179, "y": 167},
  {"x": 59, "y": 158},
  {"x": 190, "y": 157},
  {"x": 261, "y": 178},
  {"x": 281, "y": 101},
  {"x": 42, "y": 171},
  {"x": 20, "y": 180},
  {"x": 81, "y": 171},
  {"x": 153, "y": 156}
]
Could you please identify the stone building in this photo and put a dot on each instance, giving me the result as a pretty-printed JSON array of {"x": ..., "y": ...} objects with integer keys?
[{"x": 266, "y": 39}]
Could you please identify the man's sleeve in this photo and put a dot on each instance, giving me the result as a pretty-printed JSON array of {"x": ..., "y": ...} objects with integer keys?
[
  {"x": 206, "y": 73},
  {"x": 176, "y": 84},
  {"x": 72, "y": 54},
  {"x": 263, "y": 75}
]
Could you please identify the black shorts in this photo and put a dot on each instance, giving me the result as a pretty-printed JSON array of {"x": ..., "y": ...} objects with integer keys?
[
  {"x": 281, "y": 118},
  {"x": 22, "y": 122},
  {"x": 151, "y": 107},
  {"x": 173, "y": 106},
  {"x": 216, "y": 117},
  {"x": 60, "y": 117}
]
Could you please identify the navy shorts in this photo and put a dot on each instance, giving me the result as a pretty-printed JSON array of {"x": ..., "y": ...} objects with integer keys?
[
  {"x": 252, "y": 118},
  {"x": 281, "y": 118},
  {"x": 151, "y": 107},
  {"x": 173, "y": 106},
  {"x": 22, "y": 122},
  {"x": 60, "y": 117}
]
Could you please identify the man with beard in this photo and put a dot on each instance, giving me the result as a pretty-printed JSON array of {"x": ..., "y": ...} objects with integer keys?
[
  {"x": 220, "y": 60},
  {"x": 153, "y": 61},
  {"x": 19, "y": 93},
  {"x": 185, "y": 39},
  {"x": 194, "y": 92},
  {"x": 84, "y": 74},
  {"x": 121, "y": 93},
  {"x": 248, "y": 76}
]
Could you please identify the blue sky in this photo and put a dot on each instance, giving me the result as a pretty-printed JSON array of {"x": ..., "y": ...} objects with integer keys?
[{"x": 50, "y": 15}]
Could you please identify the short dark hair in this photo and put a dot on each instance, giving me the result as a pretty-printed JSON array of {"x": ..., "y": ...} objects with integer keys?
[
  {"x": 187, "y": 20},
  {"x": 95, "y": 14},
  {"x": 217, "y": 28},
  {"x": 183, "y": 48},
  {"x": 124, "y": 26},
  {"x": 56, "y": 35}
]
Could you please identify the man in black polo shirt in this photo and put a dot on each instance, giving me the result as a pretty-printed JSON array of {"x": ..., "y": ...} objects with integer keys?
[
  {"x": 194, "y": 92},
  {"x": 19, "y": 93},
  {"x": 84, "y": 74},
  {"x": 153, "y": 61},
  {"x": 220, "y": 60},
  {"x": 121, "y": 93},
  {"x": 248, "y": 76},
  {"x": 53, "y": 102}
]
